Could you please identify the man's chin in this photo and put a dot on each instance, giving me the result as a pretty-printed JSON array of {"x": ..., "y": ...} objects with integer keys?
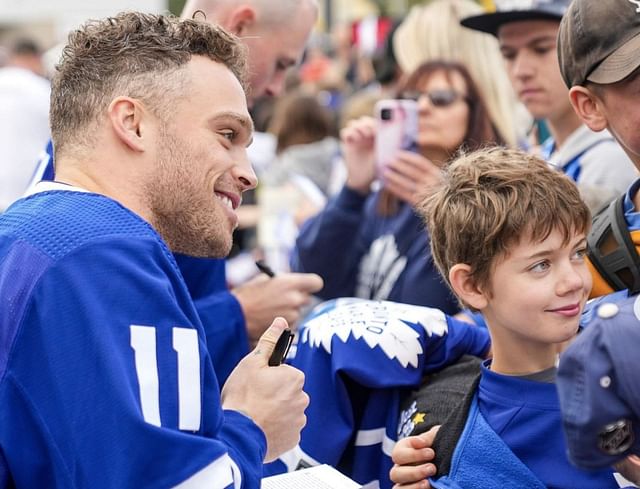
[{"x": 203, "y": 249}]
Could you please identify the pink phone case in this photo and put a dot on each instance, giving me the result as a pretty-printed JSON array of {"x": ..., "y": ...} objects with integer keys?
[{"x": 397, "y": 129}]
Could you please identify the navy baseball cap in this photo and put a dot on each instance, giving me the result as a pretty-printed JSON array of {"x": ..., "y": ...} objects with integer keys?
[
  {"x": 514, "y": 10},
  {"x": 599, "y": 387}
]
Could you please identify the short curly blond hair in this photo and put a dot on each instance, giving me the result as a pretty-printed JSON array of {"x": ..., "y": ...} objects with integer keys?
[{"x": 132, "y": 54}]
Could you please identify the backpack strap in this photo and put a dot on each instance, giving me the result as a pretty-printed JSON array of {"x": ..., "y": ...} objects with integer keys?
[{"x": 611, "y": 249}]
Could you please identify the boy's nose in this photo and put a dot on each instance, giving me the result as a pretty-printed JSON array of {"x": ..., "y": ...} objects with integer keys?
[{"x": 572, "y": 280}]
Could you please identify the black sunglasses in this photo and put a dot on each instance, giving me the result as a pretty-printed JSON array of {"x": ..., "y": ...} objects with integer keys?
[{"x": 438, "y": 98}]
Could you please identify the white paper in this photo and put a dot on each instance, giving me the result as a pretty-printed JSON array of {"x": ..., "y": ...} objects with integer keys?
[{"x": 318, "y": 477}]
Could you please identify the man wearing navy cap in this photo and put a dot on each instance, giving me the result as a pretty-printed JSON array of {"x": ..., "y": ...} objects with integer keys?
[
  {"x": 599, "y": 55},
  {"x": 527, "y": 31}
]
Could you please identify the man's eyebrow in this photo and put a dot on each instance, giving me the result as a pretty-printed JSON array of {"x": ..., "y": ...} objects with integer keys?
[{"x": 243, "y": 120}]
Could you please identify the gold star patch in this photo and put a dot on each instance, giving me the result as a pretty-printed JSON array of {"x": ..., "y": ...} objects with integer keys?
[{"x": 418, "y": 418}]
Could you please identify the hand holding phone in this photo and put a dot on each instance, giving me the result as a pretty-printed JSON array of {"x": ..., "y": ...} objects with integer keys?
[{"x": 397, "y": 129}]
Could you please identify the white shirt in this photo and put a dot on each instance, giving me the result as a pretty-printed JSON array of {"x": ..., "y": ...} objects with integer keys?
[{"x": 24, "y": 129}]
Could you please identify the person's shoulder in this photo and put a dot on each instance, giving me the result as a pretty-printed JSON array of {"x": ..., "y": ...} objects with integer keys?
[
  {"x": 604, "y": 148},
  {"x": 58, "y": 222},
  {"x": 22, "y": 78},
  {"x": 597, "y": 385}
]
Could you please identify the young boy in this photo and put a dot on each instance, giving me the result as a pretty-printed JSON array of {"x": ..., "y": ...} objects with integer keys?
[{"x": 508, "y": 235}]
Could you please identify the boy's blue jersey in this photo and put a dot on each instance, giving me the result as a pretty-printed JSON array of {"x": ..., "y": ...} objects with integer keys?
[
  {"x": 525, "y": 414},
  {"x": 513, "y": 438},
  {"x": 359, "y": 357},
  {"x": 105, "y": 375}
]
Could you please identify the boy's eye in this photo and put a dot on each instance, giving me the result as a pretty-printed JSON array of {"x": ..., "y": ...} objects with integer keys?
[
  {"x": 580, "y": 254},
  {"x": 540, "y": 267}
]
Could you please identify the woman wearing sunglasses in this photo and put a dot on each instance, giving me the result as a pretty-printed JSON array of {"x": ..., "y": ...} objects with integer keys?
[{"x": 370, "y": 244}]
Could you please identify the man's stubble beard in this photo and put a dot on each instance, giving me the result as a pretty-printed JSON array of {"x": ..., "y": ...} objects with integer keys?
[{"x": 184, "y": 213}]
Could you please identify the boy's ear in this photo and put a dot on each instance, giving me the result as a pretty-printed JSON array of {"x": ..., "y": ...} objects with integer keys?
[
  {"x": 241, "y": 19},
  {"x": 589, "y": 107},
  {"x": 126, "y": 117},
  {"x": 465, "y": 287}
]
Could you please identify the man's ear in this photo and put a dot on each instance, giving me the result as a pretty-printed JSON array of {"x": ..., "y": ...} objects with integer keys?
[
  {"x": 465, "y": 287},
  {"x": 589, "y": 107},
  {"x": 241, "y": 18},
  {"x": 126, "y": 117}
]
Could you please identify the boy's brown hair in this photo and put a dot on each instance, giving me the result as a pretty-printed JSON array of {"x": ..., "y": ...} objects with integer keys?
[{"x": 491, "y": 199}]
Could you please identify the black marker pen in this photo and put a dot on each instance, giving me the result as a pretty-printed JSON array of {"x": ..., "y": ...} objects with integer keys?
[{"x": 264, "y": 268}]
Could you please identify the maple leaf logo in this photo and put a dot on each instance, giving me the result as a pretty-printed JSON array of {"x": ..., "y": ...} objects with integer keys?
[{"x": 393, "y": 327}]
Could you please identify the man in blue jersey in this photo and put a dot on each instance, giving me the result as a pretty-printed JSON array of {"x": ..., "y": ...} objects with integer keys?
[
  {"x": 236, "y": 318},
  {"x": 600, "y": 393},
  {"x": 106, "y": 376}
]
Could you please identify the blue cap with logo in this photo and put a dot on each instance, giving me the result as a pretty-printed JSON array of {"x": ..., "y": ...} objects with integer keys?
[
  {"x": 599, "y": 386},
  {"x": 515, "y": 10}
]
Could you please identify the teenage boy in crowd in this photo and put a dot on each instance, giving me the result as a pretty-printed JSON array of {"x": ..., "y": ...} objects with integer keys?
[
  {"x": 504, "y": 222},
  {"x": 105, "y": 374},
  {"x": 527, "y": 33},
  {"x": 235, "y": 319}
]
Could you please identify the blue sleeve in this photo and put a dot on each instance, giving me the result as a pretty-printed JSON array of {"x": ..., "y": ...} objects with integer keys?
[
  {"x": 332, "y": 244},
  {"x": 225, "y": 330},
  {"x": 110, "y": 384},
  {"x": 219, "y": 310},
  {"x": 462, "y": 338}
]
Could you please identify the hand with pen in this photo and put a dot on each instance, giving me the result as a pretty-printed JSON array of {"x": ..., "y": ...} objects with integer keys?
[
  {"x": 265, "y": 393},
  {"x": 269, "y": 295}
]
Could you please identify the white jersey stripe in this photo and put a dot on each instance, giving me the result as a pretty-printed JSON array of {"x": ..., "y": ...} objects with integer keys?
[
  {"x": 219, "y": 474},
  {"x": 366, "y": 438}
]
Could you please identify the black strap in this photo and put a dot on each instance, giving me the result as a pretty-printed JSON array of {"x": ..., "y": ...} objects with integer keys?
[
  {"x": 611, "y": 249},
  {"x": 449, "y": 433}
]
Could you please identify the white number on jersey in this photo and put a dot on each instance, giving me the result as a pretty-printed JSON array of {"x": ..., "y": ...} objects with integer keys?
[{"x": 185, "y": 344}]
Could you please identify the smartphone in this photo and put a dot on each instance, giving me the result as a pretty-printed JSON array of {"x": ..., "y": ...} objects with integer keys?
[{"x": 397, "y": 129}]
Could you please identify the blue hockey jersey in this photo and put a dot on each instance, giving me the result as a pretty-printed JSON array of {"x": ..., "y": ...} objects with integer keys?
[
  {"x": 358, "y": 357},
  {"x": 513, "y": 439},
  {"x": 105, "y": 375},
  {"x": 219, "y": 310}
]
